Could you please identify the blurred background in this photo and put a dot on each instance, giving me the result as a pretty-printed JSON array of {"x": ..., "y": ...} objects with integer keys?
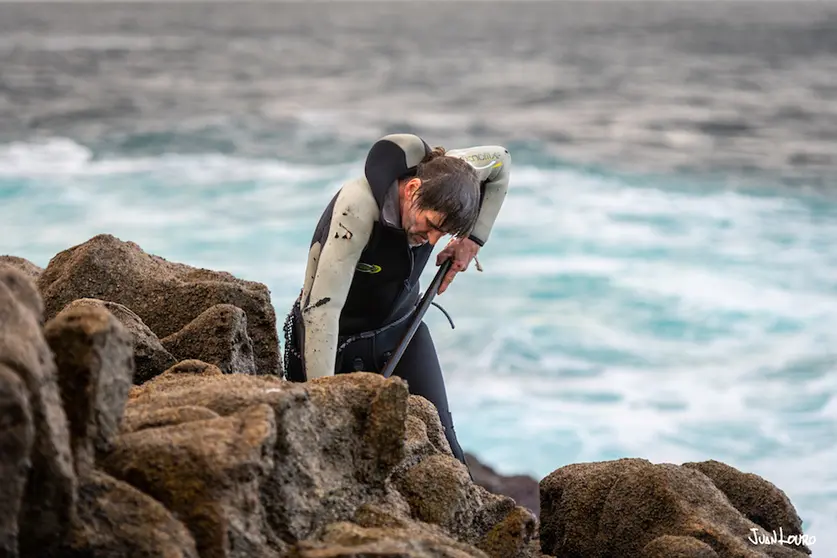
[{"x": 661, "y": 281}]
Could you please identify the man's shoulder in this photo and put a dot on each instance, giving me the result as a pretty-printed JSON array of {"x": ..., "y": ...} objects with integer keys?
[
  {"x": 482, "y": 154},
  {"x": 355, "y": 198},
  {"x": 490, "y": 161}
]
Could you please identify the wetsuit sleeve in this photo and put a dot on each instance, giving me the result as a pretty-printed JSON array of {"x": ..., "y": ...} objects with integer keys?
[
  {"x": 493, "y": 165},
  {"x": 350, "y": 228}
]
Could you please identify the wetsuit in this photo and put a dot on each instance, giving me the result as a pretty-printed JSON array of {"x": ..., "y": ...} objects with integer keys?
[{"x": 362, "y": 277}]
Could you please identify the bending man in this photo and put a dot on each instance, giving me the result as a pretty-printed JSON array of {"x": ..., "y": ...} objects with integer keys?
[{"x": 367, "y": 254}]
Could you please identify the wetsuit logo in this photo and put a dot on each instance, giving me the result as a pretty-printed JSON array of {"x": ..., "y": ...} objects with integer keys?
[{"x": 368, "y": 268}]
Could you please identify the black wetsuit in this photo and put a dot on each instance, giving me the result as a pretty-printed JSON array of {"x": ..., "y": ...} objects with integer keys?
[{"x": 362, "y": 279}]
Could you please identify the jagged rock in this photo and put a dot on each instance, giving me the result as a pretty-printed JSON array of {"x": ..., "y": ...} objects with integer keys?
[
  {"x": 616, "y": 508},
  {"x": 668, "y": 546},
  {"x": 523, "y": 489},
  {"x": 440, "y": 491},
  {"x": 49, "y": 499},
  {"x": 343, "y": 444},
  {"x": 429, "y": 438},
  {"x": 16, "y": 437},
  {"x": 208, "y": 472},
  {"x": 217, "y": 336},
  {"x": 150, "y": 357},
  {"x": 165, "y": 295},
  {"x": 28, "y": 268},
  {"x": 348, "y": 540},
  {"x": 115, "y": 520},
  {"x": 511, "y": 536},
  {"x": 142, "y": 418},
  {"x": 758, "y": 499},
  {"x": 95, "y": 359}
]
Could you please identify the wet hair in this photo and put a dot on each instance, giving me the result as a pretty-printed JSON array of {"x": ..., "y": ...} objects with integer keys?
[{"x": 450, "y": 186}]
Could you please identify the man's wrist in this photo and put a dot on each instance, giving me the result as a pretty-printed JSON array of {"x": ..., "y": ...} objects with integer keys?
[{"x": 476, "y": 240}]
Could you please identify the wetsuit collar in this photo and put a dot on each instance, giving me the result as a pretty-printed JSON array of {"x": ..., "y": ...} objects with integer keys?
[{"x": 391, "y": 211}]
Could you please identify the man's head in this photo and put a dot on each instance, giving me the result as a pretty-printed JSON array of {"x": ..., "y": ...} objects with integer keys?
[{"x": 442, "y": 198}]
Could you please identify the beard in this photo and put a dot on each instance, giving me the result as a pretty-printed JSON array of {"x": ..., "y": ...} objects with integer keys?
[{"x": 414, "y": 240}]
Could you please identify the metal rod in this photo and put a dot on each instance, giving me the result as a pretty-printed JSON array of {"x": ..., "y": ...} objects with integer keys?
[{"x": 420, "y": 311}]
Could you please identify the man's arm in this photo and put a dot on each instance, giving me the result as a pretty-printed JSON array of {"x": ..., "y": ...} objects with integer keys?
[
  {"x": 352, "y": 219},
  {"x": 493, "y": 165}
]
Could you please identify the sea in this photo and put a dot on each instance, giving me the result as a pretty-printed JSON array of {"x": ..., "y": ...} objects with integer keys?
[{"x": 660, "y": 283}]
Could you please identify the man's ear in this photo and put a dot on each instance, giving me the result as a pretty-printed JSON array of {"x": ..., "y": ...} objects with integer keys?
[{"x": 411, "y": 188}]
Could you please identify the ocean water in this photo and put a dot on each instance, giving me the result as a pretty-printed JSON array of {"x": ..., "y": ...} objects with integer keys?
[{"x": 661, "y": 281}]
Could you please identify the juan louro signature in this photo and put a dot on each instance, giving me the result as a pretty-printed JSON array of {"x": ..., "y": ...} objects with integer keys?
[{"x": 758, "y": 538}]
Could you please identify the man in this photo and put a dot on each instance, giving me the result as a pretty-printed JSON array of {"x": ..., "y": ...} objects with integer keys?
[{"x": 367, "y": 254}]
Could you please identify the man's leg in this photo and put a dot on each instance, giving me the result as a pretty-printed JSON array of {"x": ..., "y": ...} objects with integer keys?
[{"x": 419, "y": 366}]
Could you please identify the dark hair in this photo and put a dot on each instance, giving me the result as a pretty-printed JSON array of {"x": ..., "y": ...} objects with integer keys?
[{"x": 450, "y": 186}]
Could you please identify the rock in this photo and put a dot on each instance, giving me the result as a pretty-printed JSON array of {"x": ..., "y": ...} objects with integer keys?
[
  {"x": 49, "y": 499},
  {"x": 427, "y": 418},
  {"x": 165, "y": 295},
  {"x": 217, "y": 336},
  {"x": 616, "y": 508},
  {"x": 759, "y": 500},
  {"x": 197, "y": 383},
  {"x": 143, "y": 417},
  {"x": 150, "y": 357},
  {"x": 511, "y": 536},
  {"x": 523, "y": 489},
  {"x": 16, "y": 437},
  {"x": 209, "y": 473},
  {"x": 668, "y": 546},
  {"x": 438, "y": 490},
  {"x": 28, "y": 268},
  {"x": 344, "y": 451},
  {"x": 115, "y": 520},
  {"x": 348, "y": 540},
  {"x": 95, "y": 359}
]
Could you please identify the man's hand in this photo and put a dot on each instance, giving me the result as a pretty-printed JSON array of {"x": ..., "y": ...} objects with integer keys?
[{"x": 461, "y": 251}]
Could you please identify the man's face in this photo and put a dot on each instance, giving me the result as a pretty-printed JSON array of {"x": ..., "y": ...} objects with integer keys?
[{"x": 421, "y": 225}]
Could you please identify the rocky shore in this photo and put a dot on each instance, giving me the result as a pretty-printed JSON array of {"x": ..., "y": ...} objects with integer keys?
[{"x": 143, "y": 413}]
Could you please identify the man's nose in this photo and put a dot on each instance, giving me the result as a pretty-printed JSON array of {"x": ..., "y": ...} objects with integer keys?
[{"x": 434, "y": 236}]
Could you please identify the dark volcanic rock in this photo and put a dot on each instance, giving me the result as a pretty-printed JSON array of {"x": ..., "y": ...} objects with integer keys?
[
  {"x": 49, "y": 499},
  {"x": 150, "y": 357},
  {"x": 523, "y": 489},
  {"x": 759, "y": 500},
  {"x": 668, "y": 546},
  {"x": 165, "y": 295},
  {"x": 28, "y": 268},
  {"x": 209, "y": 472},
  {"x": 618, "y": 508},
  {"x": 94, "y": 354},
  {"x": 348, "y": 540},
  {"x": 16, "y": 436},
  {"x": 218, "y": 336},
  {"x": 349, "y": 448},
  {"x": 141, "y": 418},
  {"x": 115, "y": 520}
]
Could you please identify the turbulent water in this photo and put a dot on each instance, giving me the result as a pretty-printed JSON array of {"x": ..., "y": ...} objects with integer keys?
[{"x": 661, "y": 282}]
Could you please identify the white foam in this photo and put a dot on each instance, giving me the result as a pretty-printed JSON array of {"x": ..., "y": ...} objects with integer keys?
[{"x": 63, "y": 157}]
